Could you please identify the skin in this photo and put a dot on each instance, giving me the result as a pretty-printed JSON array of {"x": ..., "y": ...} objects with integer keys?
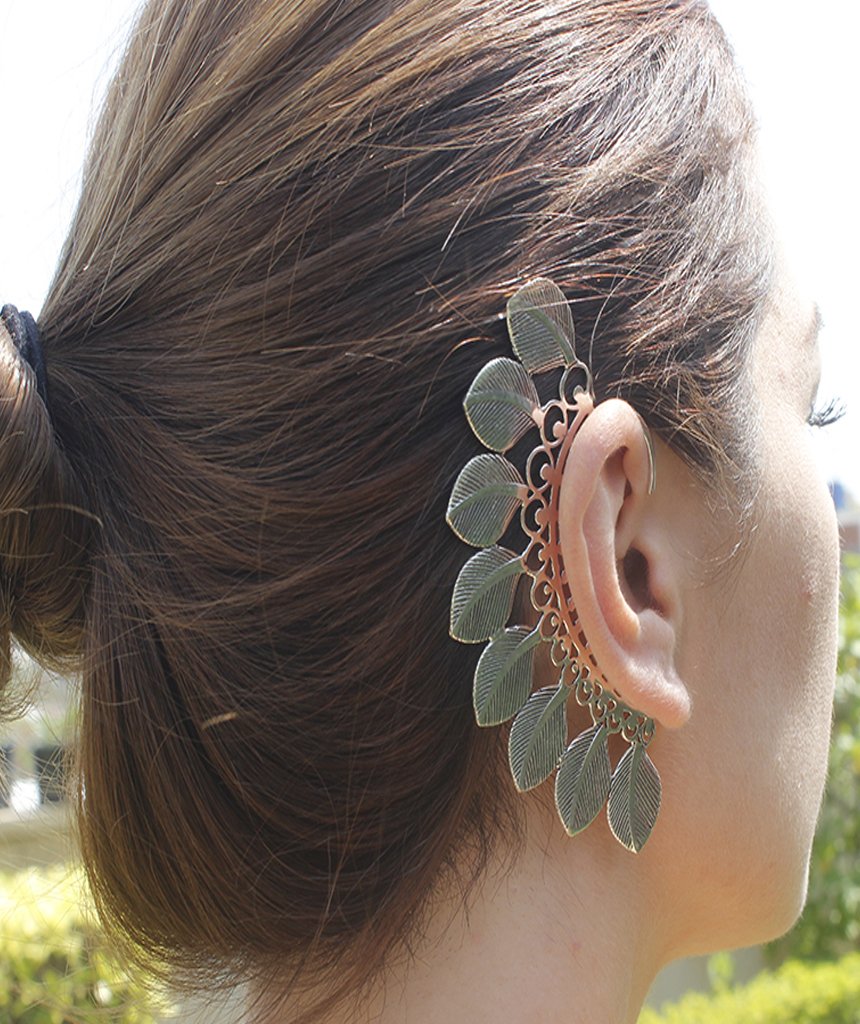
[{"x": 736, "y": 667}]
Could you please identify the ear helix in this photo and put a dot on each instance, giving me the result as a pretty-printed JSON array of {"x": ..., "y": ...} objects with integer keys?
[{"x": 501, "y": 405}]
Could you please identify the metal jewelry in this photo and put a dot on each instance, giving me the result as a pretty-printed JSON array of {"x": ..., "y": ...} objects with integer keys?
[{"x": 501, "y": 405}]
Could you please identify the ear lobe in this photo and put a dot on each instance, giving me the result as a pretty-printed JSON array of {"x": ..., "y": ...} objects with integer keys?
[{"x": 620, "y": 568}]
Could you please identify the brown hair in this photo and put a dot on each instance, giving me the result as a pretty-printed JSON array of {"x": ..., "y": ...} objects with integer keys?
[{"x": 298, "y": 227}]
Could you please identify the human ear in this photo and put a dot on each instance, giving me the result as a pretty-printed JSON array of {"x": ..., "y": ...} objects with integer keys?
[{"x": 617, "y": 554}]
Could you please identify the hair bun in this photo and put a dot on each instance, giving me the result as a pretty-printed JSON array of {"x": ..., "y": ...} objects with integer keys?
[
  {"x": 45, "y": 529},
  {"x": 25, "y": 337}
]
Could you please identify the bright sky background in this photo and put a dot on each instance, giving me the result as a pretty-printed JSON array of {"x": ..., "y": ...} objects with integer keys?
[{"x": 801, "y": 61}]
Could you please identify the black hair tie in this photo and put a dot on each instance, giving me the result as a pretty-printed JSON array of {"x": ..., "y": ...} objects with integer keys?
[{"x": 25, "y": 337}]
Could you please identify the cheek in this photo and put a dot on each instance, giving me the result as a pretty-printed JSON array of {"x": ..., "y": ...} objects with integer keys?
[
  {"x": 765, "y": 713},
  {"x": 819, "y": 597},
  {"x": 817, "y": 586},
  {"x": 798, "y": 602},
  {"x": 805, "y": 561}
]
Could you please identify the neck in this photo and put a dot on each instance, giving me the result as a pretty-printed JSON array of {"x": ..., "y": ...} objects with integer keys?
[{"x": 569, "y": 934}]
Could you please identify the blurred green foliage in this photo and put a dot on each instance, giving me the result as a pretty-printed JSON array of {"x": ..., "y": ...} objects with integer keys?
[
  {"x": 53, "y": 970},
  {"x": 830, "y": 924},
  {"x": 798, "y": 992}
]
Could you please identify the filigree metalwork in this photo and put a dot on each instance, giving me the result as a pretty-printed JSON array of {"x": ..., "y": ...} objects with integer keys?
[{"x": 501, "y": 406}]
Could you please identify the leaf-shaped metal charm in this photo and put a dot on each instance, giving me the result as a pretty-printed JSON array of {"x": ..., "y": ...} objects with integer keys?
[
  {"x": 503, "y": 677},
  {"x": 538, "y": 736},
  {"x": 582, "y": 782},
  {"x": 541, "y": 326},
  {"x": 484, "y": 594},
  {"x": 634, "y": 798},
  {"x": 500, "y": 403},
  {"x": 484, "y": 498}
]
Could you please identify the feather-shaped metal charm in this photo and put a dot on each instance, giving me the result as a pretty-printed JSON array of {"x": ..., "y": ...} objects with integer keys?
[
  {"x": 537, "y": 736},
  {"x": 634, "y": 798},
  {"x": 501, "y": 404},
  {"x": 503, "y": 677},
  {"x": 582, "y": 781},
  {"x": 484, "y": 594},
  {"x": 485, "y": 496}
]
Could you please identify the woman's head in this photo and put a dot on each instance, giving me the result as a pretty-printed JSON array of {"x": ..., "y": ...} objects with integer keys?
[{"x": 298, "y": 227}]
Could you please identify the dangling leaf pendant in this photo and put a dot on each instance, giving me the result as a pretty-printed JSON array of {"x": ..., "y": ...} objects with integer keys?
[
  {"x": 503, "y": 678},
  {"x": 634, "y": 798},
  {"x": 583, "y": 780},
  {"x": 537, "y": 736}
]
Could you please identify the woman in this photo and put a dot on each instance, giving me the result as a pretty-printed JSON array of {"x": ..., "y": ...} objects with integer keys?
[{"x": 299, "y": 227}]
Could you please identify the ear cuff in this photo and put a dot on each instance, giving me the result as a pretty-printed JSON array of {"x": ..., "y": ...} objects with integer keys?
[{"x": 501, "y": 405}]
